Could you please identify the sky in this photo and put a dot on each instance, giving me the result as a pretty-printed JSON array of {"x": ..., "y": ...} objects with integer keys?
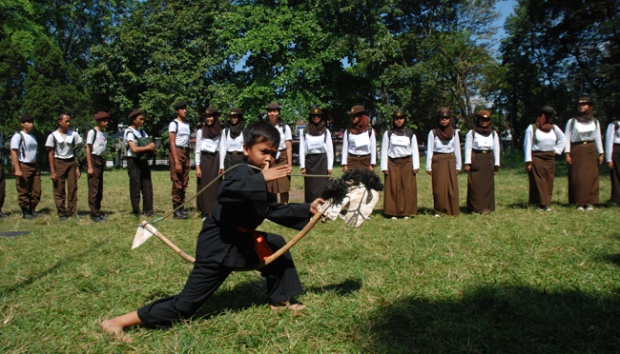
[{"x": 505, "y": 8}]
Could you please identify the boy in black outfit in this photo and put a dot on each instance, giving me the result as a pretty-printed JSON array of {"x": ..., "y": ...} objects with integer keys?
[{"x": 226, "y": 241}]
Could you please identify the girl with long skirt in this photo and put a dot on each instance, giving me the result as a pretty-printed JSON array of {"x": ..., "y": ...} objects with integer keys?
[
  {"x": 481, "y": 162},
  {"x": 543, "y": 140},
  {"x": 316, "y": 154},
  {"x": 584, "y": 152},
  {"x": 400, "y": 162},
  {"x": 443, "y": 163},
  {"x": 209, "y": 154}
]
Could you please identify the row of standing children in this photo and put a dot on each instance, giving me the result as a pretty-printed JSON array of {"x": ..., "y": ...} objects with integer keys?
[
  {"x": 64, "y": 168},
  {"x": 582, "y": 144},
  {"x": 218, "y": 149},
  {"x": 400, "y": 160}
]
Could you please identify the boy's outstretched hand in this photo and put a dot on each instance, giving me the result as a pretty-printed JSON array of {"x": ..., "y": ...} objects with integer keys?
[
  {"x": 271, "y": 174},
  {"x": 314, "y": 207}
]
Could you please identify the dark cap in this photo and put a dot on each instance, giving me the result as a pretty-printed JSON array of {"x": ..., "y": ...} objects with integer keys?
[
  {"x": 548, "y": 111},
  {"x": 443, "y": 112},
  {"x": 135, "y": 113},
  {"x": 212, "y": 111},
  {"x": 484, "y": 114},
  {"x": 235, "y": 112},
  {"x": 101, "y": 115},
  {"x": 399, "y": 113},
  {"x": 356, "y": 110},
  {"x": 26, "y": 118},
  {"x": 316, "y": 111},
  {"x": 272, "y": 106},
  {"x": 585, "y": 100},
  {"x": 179, "y": 105}
]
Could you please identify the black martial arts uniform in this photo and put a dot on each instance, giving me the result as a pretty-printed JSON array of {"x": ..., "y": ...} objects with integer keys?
[{"x": 224, "y": 244}]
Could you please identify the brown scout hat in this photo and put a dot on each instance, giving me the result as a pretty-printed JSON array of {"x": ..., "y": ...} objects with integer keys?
[
  {"x": 356, "y": 110},
  {"x": 484, "y": 114},
  {"x": 399, "y": 113},
  {"x": 212, "y": 111},
  {"x": 585, "y": 100},
  {"x": 101, "y": 115},
  {"x": 316, "y": 111},
  {"x": 179, "y": 105},
  {"x": 235, "y": 112},
  {"x": 26, "y": 118},
  {"x": 272, "y": 106},
  {"x": 548, "y": 111},
  {"x": 135, "y": 113},
  {"x": 443, "y": 112}
]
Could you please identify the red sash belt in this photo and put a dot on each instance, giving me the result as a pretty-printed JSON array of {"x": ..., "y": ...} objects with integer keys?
[{"x": 262, "y": 249}]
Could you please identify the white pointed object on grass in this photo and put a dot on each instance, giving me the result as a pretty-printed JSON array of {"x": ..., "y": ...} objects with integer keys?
[{"x": 142, "y": 235}]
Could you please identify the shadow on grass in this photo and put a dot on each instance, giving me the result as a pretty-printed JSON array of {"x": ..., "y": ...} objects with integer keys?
[
  {"x": 521, "y": 205},
  {"x": 343, "y": 289},
  {"x": 75, "y": 258},
  {"x": 498, "y": 319},
  {"x": 612, "y": 258},
  {"x": 244, "y": 296}
]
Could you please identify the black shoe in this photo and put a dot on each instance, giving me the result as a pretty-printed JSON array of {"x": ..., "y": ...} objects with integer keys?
[
  {"x": 184, "y": 212},
  {"x": 35, "y": 214},
  {"x": 97, "y": 218},
  {"x": 63, "y": 218},
  {"x": 179, "y": 215},
  {"x": 3, "y": 215},
  {"x": 29, "y": 216},
  {"x": 150, "y": 213}
]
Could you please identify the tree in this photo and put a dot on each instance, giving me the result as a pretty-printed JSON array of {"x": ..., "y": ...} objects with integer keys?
[{"x": 557, "y": 51}]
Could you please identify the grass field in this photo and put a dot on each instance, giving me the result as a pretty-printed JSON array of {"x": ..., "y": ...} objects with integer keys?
[{"x": 518, "y": 280}]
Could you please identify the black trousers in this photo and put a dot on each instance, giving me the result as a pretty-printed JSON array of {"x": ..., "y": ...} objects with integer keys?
[
  {"x": 207, "y": 276},
  {"x": 140, "y": 182}
]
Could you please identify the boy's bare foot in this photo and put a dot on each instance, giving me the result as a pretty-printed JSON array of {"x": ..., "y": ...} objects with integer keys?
[
  {"x": 284, "y": 305},
  {"x": 115, "y": 330}
]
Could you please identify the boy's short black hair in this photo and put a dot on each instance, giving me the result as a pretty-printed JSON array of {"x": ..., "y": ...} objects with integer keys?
[{"x": 261, "y": 132}]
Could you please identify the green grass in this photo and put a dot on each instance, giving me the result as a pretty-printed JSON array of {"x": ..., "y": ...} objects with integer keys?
[{"x": 515, "y": 281}]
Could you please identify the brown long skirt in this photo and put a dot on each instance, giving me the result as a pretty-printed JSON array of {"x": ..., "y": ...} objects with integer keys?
[
  {"x": 615, "y": 174},
  {"x": 280, "y": 185},
  {"x": 583, "y": 175},
  {"x": 233, "y": 159},
  {"x": 401, "y": 188},
  {"x": 445, "y": 184},
  {"x": 316, "y": 164},
  {"x": 209, "y": 167},
  {"x": 481, "y": 183},
  {"x": 360, "y": 162},
  {"x": 541, "y": 178}
]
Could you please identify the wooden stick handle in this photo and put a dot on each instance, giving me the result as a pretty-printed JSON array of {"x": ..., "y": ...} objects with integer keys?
[{"x": 168, "y": 243}]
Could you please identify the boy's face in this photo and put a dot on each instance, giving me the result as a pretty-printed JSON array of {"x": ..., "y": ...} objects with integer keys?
[
  {"x": 64, "y": 123},
  {"x": 28, "y": 127},
  {"x": 182, "y": 112},
  {"x": 138, "y": 121},
  {"x": 102, "y": 123},
  {"x": 261, "y": 153}
]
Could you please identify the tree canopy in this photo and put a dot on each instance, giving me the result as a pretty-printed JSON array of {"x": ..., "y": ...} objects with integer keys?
[{"x": 125, "y": 54}]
